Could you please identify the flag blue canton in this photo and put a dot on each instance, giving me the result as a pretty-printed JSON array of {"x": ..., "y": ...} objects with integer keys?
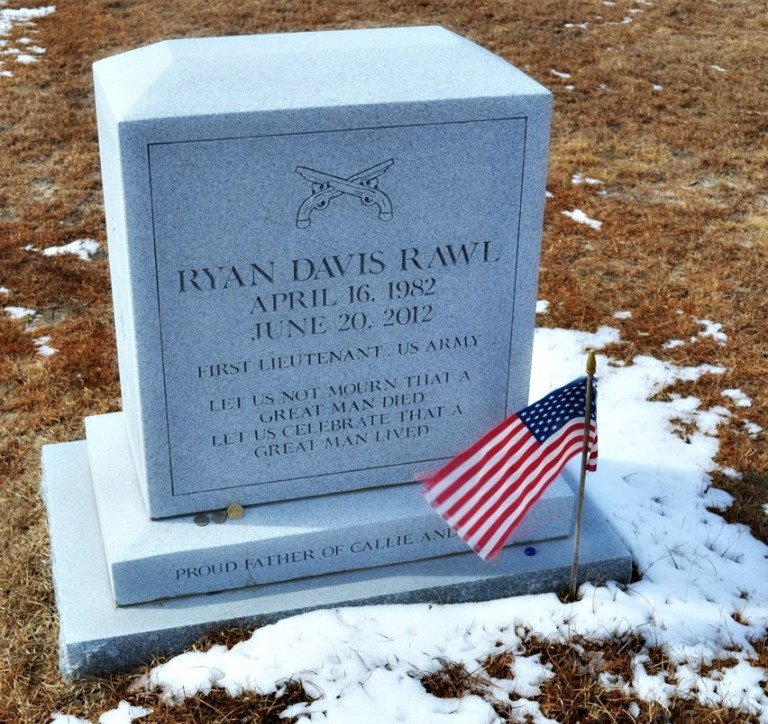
[{"x": 545, "y": 417}]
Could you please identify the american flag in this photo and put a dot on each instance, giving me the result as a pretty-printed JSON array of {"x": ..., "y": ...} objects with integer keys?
[{"x": 486, "y": 491}]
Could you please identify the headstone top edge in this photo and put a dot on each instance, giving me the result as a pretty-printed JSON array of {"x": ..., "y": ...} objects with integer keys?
[
  {"x": 265, "y": 43},
  {"x": 247, "y": 73}
]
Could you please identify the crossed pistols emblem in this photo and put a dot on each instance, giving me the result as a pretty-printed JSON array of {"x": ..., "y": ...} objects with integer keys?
[{"x": 364, "y": 185}]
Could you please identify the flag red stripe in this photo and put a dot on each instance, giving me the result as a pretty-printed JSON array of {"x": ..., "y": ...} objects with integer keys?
[
  {"x": 503, "y": 485},
  {"x": 466, "y": 495},
  {"x": 450, "y": 478},
  {"x": 535, "y": 483},
  {"x": 500, "y": 430},
  {"x": 554, "y": 459},
  {"x": 563, "y": 446},
  {"x": 506, "y": 528},
  {"x": 494, "y": 539},
  {"x": 495, "y": 536},
  {"x": 447, "y": 507},
  {"x": 527, "y": 490},
  {"x": 516, "y": 486}
]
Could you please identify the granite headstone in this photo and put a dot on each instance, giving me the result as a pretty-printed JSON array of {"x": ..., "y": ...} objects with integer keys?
[
  {"x": 324, "y": 271},
  {"x": 325, "y": 283}
]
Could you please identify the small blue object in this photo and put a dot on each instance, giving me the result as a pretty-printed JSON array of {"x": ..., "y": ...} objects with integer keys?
[{"x": 530, "y": 551}]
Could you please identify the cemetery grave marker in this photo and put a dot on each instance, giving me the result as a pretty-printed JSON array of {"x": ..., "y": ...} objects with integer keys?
[{"x": 323, "y": 286}]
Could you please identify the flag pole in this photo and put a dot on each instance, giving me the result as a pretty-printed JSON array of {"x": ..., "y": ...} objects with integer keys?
[{"x": 591, "y": 369}]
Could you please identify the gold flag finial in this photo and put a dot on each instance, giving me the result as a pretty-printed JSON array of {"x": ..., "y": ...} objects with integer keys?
[{"x": 591, "y": 363}]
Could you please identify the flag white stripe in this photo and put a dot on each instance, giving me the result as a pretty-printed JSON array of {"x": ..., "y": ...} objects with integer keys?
[
  {"x": 488, "y": 480},
  {"x": 511, "y": 481},
  {"x": 454, "y": 475},
  {"x": 487, "y": 490},
  {"x": 517, "y": 430},
  {"x": 561, "y": 444},
  {"x": 503, "y": 527},
  {"x": 554, "y": 459},
  {"x": 530, "y": 490},
  {"x": 481, "y": 485}
]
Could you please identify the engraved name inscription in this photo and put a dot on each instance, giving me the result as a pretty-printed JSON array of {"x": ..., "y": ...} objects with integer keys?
[
  {"x": 370, "y": 295},
  {"x": 255, "y": 565}
]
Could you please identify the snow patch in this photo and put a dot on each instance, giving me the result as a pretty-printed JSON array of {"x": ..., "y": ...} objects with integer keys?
[
  {"x": 716, "y": 499},
  {"x": 577, "y": 180},
  {"x": 67, "y": 719},
  {"x": 542, "y": 306},
  {"x": 82, "y": 248},
  {"x": 738, "y": 397},
  {"x": 124, "y": 714},
  {"x": 20, "y": 313},
  {"x": 622, "y": 315},
  {"x": 581, "y": 218},
  {"x": 653, "y": 485},
  {"x": 42, "y": 346},
  {"x": 24, "y": 17},
  {"x": 710, "y": 329}
]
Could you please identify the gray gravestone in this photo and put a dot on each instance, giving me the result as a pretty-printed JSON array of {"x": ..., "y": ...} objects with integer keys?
[
  {"x": 323, "y": 281},
  {"x": 324, "y": 252}
]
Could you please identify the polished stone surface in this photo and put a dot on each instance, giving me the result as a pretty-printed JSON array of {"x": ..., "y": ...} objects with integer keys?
[
  {"x": 325, "y": 289},
  {"x": 154, "y": 559},
  {"x": 97, "y": 637}
]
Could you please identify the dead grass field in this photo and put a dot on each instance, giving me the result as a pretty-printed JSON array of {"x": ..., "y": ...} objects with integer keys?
[{"x": 668, "y": 110}]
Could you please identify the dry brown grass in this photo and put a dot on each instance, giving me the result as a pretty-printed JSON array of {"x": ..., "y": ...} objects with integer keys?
[
  {"x": 586, "y": 685},
  {"x": 453, "y": 681},
  {"x": 220, "y": 708},
  {"x": 684, "y": 203},
  {"x": 587, "y": 680}
]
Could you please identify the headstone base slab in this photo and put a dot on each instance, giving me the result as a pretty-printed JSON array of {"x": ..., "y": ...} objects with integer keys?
[
  {"x": 150, "y": 560},
  {"x": 97, "y": 637}
]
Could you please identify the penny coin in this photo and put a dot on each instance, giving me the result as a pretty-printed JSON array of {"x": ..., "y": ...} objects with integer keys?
[
  {"x": 201, "y": 519},
  {"x": 235, "y": 511},
  {"x": 220, "y": 516}
]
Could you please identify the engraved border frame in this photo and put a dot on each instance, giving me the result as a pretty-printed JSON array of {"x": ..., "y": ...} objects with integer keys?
[{"x": 167, "y": 423}]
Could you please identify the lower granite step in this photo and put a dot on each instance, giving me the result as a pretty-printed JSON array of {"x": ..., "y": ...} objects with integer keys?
[{"x": 98, "y": 637}]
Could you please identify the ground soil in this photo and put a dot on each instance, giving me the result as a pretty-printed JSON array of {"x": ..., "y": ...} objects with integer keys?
[{"x": 662, "y": 101}]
